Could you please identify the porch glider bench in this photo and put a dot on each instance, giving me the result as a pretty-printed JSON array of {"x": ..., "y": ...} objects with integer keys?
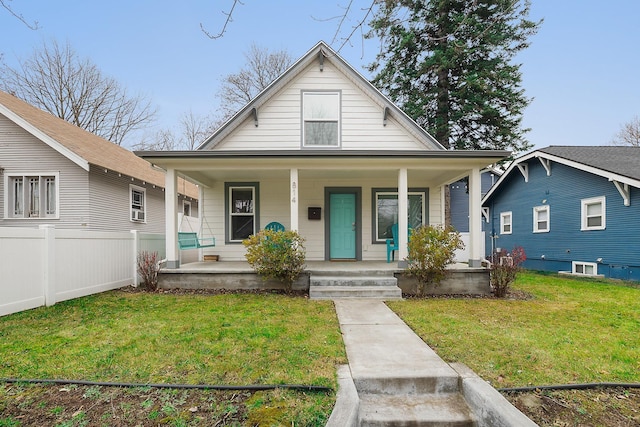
[{"x": 190, "y": 240}]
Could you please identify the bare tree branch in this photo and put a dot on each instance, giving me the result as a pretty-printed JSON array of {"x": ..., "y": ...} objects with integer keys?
[
  {"x": 629, "y": 134},
  {"x": 56, "y": 80},
  {"x": 226, "y": 22},
  {"x": 261, "y": 69},
  {"x": 34, "y": 26},
  {"x": 192, "y": 131}
]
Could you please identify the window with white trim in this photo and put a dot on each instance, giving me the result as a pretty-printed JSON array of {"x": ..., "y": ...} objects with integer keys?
[
  {"x": 506, "y": 219},
  {"x": 584, "y": 268},
  {"x": 242, "y": 208},
  {"x": 137, "y": 198},
  {"x": 593, "y": 213},
  {"x": 321, "y": 119},
  {"x": 386, "y": 211},
  {"x": 32, "y": 196},
  {"x": 541, "y": 219}
]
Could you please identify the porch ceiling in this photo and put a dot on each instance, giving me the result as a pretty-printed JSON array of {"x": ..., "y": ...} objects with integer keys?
[
  {"x": 434, "y": 177},
  {"x": 436, "y": 168}
]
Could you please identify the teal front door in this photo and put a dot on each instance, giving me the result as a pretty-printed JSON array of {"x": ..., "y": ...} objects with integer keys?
[{"x": 342, "y": 226}]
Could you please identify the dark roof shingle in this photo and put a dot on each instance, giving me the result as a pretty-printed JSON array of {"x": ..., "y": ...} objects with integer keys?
[{"x": 623, "y": 161}]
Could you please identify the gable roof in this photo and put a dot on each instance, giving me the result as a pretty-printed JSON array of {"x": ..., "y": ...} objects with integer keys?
[
  {"x": 624, "y": 161},
  {"x": 619, "y": 164},
  {"x": 81, "y": 147},
  {"x": 321, "y": 52}
]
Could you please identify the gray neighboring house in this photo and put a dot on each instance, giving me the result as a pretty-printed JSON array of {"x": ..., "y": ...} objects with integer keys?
[{"x": 52, "y": 172}]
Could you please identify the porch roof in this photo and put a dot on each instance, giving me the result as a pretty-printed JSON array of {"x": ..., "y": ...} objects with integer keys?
[{"x": 204, "y": 166}]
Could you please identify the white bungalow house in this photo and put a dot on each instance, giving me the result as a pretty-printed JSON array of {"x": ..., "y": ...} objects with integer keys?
[
  {"x": 323, "y": 152},
  {"x": 55, "y": 173}
]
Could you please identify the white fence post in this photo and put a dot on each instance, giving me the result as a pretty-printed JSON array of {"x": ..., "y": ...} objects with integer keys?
[
  {"x": 49, "y": 258},
  {"x": 136, "y": 248}
]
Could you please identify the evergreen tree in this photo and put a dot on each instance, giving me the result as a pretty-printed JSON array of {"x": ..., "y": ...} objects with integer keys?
[{"x": 448, "y": 64}]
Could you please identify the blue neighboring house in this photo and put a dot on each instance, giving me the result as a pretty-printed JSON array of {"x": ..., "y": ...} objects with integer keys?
[
  {"x": 573, "y": 209},
  {"x": 459, "y": 198}
]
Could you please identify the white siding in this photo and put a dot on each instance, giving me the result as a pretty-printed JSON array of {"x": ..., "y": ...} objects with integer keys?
[
  {"x": 435, "y": 206},
  {"x": 280, "y": 119},
  {"x": 21, "y": 152},
  {"x": 275, "y": 206},
  {"x": 110, "y": 209},
  {"x": 213, "y": 223}
]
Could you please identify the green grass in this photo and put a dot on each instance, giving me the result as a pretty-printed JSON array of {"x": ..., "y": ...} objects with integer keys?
[
  {"x": 164, "y": 338},
  {"x": 572, "y": 331}
]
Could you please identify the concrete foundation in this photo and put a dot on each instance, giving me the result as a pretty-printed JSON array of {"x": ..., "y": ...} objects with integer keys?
[
  {"x": 238, "y": 275},
  {"x": 459, "y": 282}
]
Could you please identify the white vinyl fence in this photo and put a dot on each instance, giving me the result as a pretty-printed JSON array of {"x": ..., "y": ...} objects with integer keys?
[{"x": 42, "y": 266}]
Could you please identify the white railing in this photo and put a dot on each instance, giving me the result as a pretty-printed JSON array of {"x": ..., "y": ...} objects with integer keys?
[
  {"x": 43, "y": 266},
  {"x": 463, "y": 255}
]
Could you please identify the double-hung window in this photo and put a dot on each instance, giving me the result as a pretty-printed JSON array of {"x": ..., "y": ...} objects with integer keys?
[
  {"x": 138, "y": 203},
  {"x": 321, "y": 119},
  {"x": 593, "y": 214},
  {"x": 242, "y": 210},
  {"x": 386, "y": 211},
  {"x": 32, "y": 196},
  {"x": 506, "y": 219},
  {"x": 541, "y": 219}
]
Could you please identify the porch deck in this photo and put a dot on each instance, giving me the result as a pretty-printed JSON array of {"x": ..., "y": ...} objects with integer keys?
[{"x": 239, "y": 275}]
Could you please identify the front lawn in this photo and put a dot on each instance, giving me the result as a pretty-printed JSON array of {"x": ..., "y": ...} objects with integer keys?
[
  {"x": 234, "y": 339},
  {"x": 571, "y": 331}
]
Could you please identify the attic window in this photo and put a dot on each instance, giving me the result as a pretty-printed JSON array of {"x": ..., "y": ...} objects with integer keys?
[{"x": 321, "y": 119}]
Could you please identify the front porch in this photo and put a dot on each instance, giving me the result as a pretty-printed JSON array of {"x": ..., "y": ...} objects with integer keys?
[{"x": 238, "y": 275}]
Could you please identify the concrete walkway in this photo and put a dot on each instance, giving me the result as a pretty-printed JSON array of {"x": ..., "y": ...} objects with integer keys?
[{"x": 398, "y": 380}]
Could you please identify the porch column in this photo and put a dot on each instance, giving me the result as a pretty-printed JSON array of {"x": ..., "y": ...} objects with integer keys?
[
  {"x": 403, "y": 212},
  {"x": 171, "y": 218},
  {"x": 293, "y": 178},
  {"x": 475, "y": 219}
]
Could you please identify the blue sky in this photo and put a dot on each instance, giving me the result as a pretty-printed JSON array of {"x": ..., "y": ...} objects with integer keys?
[{"x": 581, "y": 68}]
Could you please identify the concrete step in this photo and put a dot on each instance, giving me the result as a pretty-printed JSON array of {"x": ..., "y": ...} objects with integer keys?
[
  {"x": 336, "y": 271},
  {"x": 334, "y": 292},
  {"x": 352, "y": 280},
  {"x": 440, "y": 381},
  {"x": 415, "y": 410}
]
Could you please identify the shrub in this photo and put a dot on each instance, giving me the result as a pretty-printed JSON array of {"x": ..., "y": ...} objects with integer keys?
[
  {"x": 431, "y": 249},
  {"x": 148, "y": 267},
  {"x": 504, "y": 269},
  {"x": 276, "y": 255}
]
